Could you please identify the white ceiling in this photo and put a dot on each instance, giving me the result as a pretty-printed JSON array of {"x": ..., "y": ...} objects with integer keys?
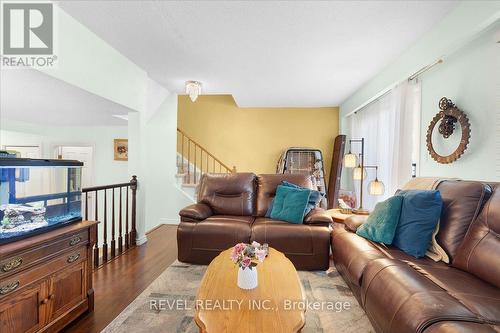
[
  {"x": 265, "y": 53},
  {"x": 31, "y": 96}
]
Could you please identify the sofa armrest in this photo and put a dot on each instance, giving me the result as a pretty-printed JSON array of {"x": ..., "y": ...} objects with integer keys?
[
  {"x": 195, "y": 212},
  {"x": 318, "y": 216},
  {"x": 352, "y": 223}
]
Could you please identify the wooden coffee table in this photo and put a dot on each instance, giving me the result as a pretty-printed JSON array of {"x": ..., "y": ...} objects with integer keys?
[
  {"x": 267, "y": 308},
  {"x": 337, "y": 216}
]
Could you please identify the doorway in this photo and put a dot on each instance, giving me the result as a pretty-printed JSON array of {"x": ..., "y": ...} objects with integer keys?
[
  {"x": 38, "y": 182},
  {"x": 83, "y": 154},
  {"x": 26, "y": 151}
]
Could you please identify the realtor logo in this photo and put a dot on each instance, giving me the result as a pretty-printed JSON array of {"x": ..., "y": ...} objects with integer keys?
[{"x": 28, "y": 29}]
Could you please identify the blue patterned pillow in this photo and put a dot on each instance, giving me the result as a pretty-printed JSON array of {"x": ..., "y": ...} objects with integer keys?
[{"x": 420, "y": 214}]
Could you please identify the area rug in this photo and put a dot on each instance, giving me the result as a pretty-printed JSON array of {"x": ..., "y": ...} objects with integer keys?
[{"x": 178, "y": 284}]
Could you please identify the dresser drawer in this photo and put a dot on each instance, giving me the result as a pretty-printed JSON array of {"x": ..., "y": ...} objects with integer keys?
[
  {"x": 19, "y": 261},
  {"x": 16, "y": 282}
]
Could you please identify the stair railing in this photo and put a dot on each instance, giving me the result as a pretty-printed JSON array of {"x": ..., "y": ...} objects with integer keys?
[
  {"x": 196, "y": 159},
  {"x": 117, "y": 224}
]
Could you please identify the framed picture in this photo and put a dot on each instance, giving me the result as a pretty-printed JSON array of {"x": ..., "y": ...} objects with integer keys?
[{"x": 121, "y": 150}]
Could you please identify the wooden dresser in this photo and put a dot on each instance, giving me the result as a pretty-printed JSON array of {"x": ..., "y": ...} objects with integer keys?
[{"x": 46, "y": 280}]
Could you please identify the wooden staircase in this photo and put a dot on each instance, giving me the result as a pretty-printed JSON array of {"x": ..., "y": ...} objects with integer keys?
[{"x": 193, "y": 160}]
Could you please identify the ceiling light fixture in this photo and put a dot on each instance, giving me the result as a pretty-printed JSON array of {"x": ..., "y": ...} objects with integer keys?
[{"x": 193, "y": 89}]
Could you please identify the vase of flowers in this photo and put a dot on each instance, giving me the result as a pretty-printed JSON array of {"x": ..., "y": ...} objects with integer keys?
[{"x": 247, "y": 256}]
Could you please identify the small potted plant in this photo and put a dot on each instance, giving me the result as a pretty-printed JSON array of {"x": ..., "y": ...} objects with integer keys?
[{"x": 247, "y": 256}]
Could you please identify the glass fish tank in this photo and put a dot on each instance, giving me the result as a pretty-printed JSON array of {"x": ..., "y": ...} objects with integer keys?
[{"x": 38, "y": 195}]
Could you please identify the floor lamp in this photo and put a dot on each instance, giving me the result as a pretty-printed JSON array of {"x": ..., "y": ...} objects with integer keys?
[{"x": 375, "y": 187}]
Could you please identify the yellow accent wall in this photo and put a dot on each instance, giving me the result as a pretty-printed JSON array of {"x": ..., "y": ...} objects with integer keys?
[{"x": 252, "y": 139}]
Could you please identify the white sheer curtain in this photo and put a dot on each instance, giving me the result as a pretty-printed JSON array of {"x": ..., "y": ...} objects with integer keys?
[{"x": 391, "y": 128}]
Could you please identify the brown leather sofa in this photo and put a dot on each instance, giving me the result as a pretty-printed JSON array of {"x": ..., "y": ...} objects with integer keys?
[
  {"x": 403, "y": 294},
  {"x": 231, "y": 209}
]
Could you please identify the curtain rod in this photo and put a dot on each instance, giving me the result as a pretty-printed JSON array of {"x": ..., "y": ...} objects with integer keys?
[
  {"x": 484, "y": 26},
  {"x": 424, "y": 69},
  {"x": 388, "y": 89}
]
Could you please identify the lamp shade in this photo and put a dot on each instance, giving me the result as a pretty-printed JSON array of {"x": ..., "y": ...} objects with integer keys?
[
  {"x": 376, "y": 187},
  {"x": 350, "y": 160},
  {"x": 356, "y": 174}
]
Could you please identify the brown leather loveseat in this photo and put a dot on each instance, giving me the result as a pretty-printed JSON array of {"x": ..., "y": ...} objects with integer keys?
[
  {"x": 231, "y": 209},
  {"x": 403, "y": 294}
]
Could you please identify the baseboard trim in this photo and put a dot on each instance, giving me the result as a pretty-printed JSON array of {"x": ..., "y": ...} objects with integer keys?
[
  {"x": 165, "y": 220},
  {"x": 141, "y": 240}
]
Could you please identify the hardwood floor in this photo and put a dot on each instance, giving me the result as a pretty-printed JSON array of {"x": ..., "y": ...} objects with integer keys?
[{"x": 119, "y": 282}]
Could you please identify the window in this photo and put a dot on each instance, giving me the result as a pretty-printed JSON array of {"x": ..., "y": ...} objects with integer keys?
[{"x": 391, "y": 128}]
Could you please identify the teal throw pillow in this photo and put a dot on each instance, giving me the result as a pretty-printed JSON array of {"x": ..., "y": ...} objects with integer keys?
[
  {"x": 314, "y": 198},
  {"x": 382, "y": 223},
  {"x": 290, "y": 204}
]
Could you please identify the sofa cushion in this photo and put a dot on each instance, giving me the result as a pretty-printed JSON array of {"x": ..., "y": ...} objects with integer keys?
[
  {"x": 307, "y": 246},
  {"x": 290, "y": 204},
  {"x": 267, "y": 184},
  {"x": 383, "y": 221},
  {"x": 399, "y": 299},
  {"x": 480, "y": 297},
  {"x": 351, "y": 254},
  {"x": 228, "y": 193},
  {"x": 200, "y": 242},
  {"x": 395, "y": 253},
  {"x": 419, "y": 216},
  {"x": 222, "y": 232},
  {"x": 479, "y": 252},
  {"x": 462, "y": 202},
  {"x": 461, "y": 327}
]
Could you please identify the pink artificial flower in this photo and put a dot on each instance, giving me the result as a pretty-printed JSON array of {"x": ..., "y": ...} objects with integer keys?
[
  {"x": 234, "y": 256},
  {"x": 260, "y": 254},
  {"x": 239, "y": 248},
  {"x": 255, "y": 244},
  {"x": 246, "y": 262}
]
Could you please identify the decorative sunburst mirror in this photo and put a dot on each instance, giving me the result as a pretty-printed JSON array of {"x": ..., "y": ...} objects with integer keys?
[{"x": 447, "y": 121}]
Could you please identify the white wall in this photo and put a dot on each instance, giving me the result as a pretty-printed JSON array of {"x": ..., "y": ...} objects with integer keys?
[
  {"x": 470, "y": 75},
  {"x": 153, "y": 143},
  {"x": 458, "y": 28},
  {"x": 88, "y": 62},
  {"x": 106, "y": 169},
  {"x": 471, "y": 79}
]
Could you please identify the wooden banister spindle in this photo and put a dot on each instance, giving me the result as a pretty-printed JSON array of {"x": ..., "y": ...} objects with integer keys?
[
  {"x": 120, "y": 231},
  {"x": 113, "y": 239},
  {"x": 127, "y": 235},
  {"x": 182, "y": 152},
  {"x": 188, "y": 160},
  {"x": 133, "y": 232},
  {"x": 96, "y": 246},
  {"x": 105, "y": 229},
  {"x": 194, "y": 166}
]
